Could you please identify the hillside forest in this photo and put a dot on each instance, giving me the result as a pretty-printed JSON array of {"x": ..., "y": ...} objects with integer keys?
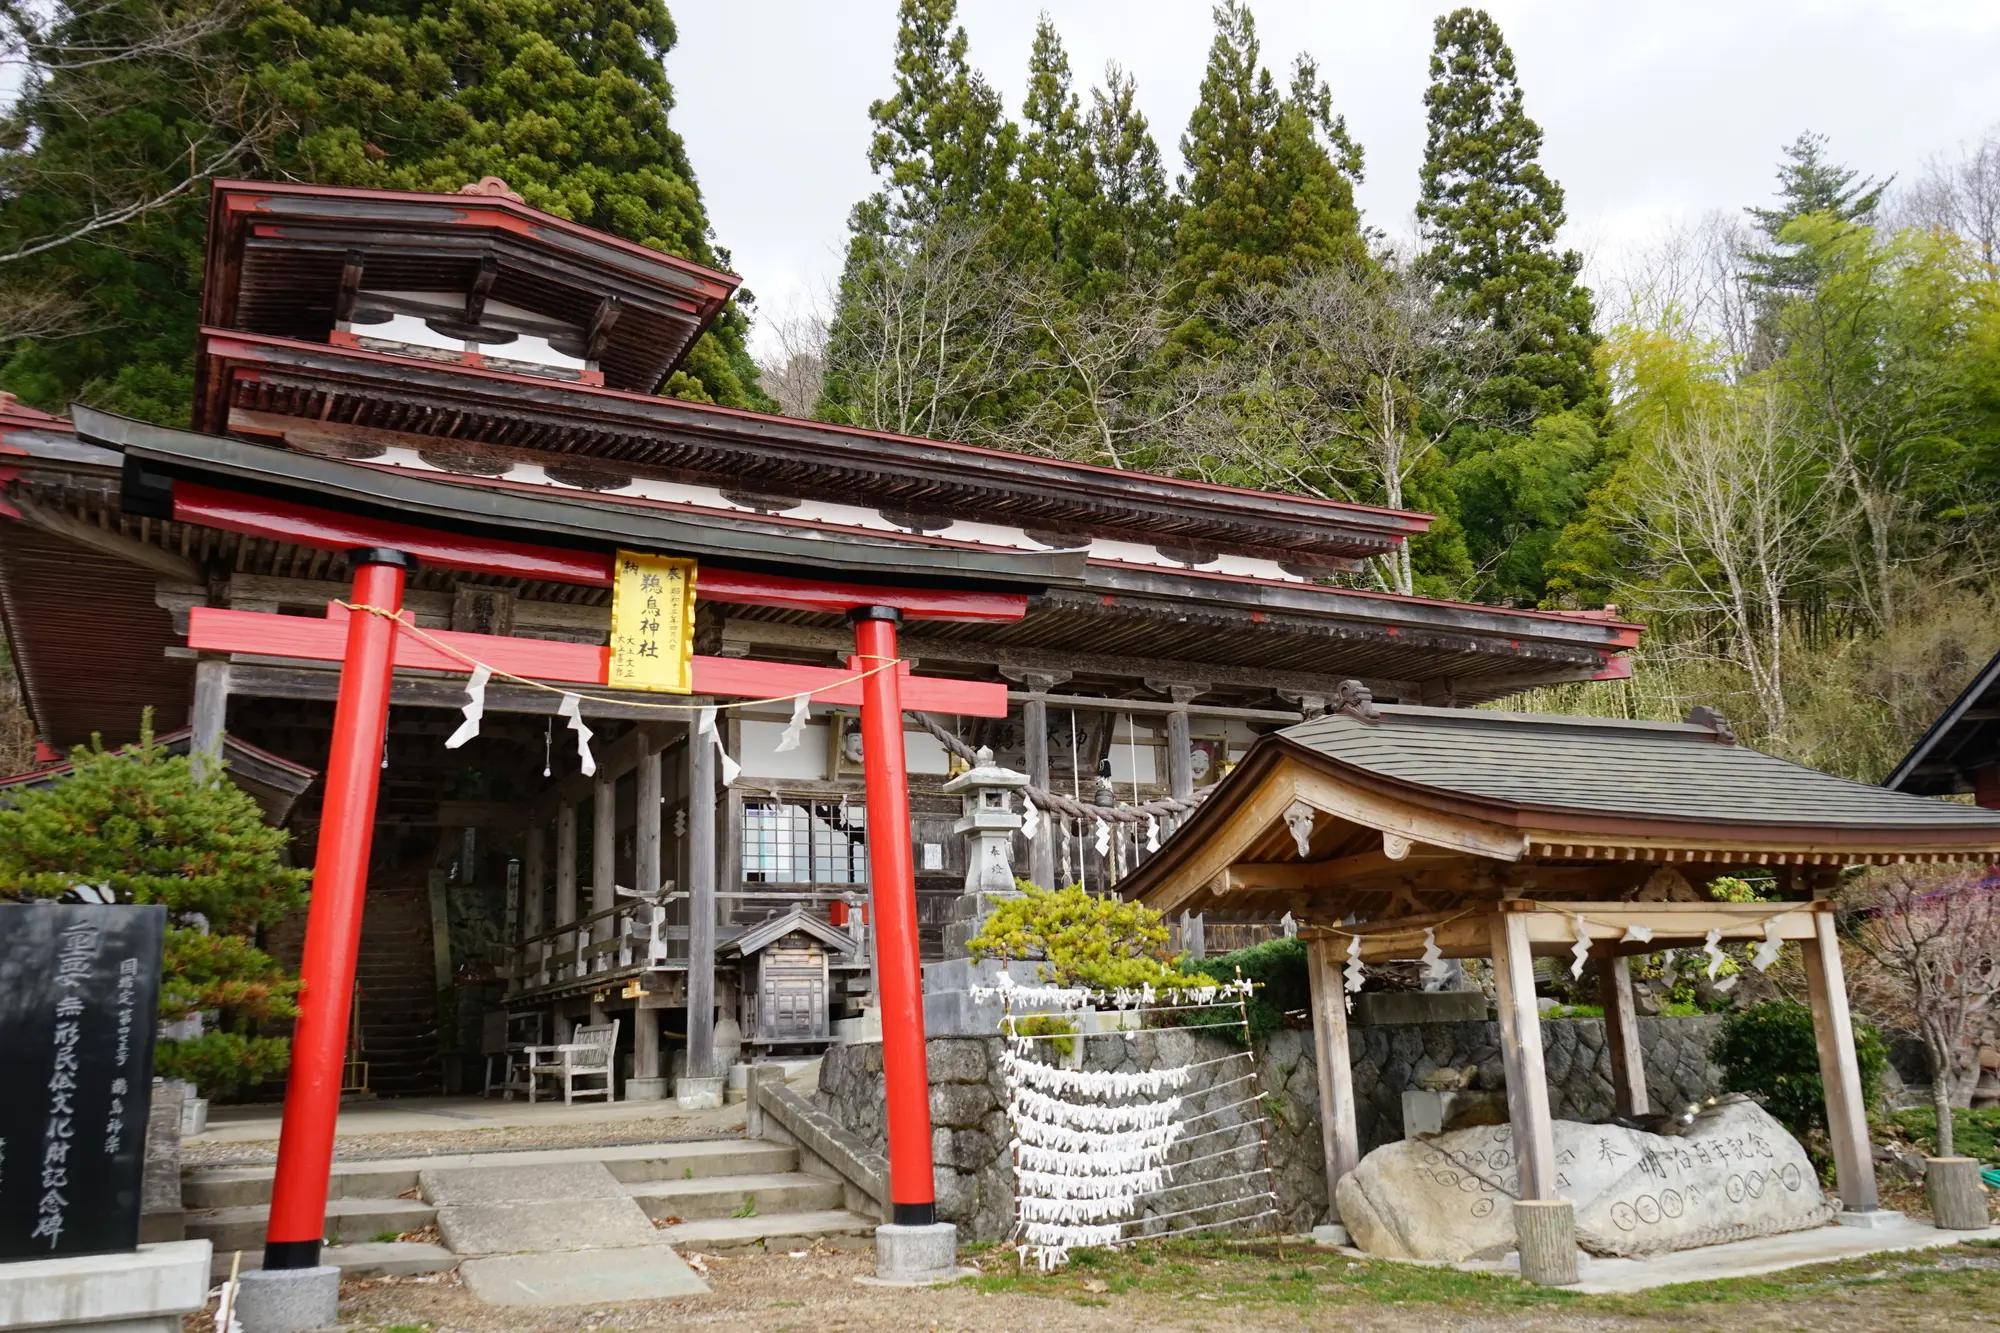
[{"x": 1773, "y": 437}]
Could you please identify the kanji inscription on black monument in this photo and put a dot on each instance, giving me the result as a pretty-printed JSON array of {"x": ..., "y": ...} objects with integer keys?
[{"x": 79, "y": 987}]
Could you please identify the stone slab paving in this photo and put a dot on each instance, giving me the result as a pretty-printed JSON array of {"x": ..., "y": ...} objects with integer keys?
[
  {"x": 556, "y": 1233},
  {"x": 785, "y": 1232},
  {"x": 589, "y": 1277}
]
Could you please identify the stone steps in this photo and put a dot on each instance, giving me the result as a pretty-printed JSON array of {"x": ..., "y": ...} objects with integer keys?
[
  {"x": 725, "y": 1196},
  {"x": 394, "y": 1258},
  {"x": 780, "y": 1231},
  {"x": 236, "y": 1186},
  {"x": 348, "y": 1221}
]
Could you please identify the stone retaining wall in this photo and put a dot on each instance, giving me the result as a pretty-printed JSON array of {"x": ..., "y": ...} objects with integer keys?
[{"x": 970, "y": 1134}]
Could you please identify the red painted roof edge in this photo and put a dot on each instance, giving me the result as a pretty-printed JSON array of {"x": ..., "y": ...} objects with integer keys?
[
  {"x": 1415, "y": 521},
  {"x": 480, "y": 201}
]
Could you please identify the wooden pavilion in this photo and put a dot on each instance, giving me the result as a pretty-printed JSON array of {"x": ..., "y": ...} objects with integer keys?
[
  {"x": 1507, "y": 836},
  {"x": 462, "y": 371}
]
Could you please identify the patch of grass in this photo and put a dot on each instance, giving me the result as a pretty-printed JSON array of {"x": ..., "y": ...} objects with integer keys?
[
  {"x": 1960, "y": 1280},
  {"x": 748, "y": 1208},
  {"x": 384, "y": 1237},
  {"x": 1974, "y": 1133}
]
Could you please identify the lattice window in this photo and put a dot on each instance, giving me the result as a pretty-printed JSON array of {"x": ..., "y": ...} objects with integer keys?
[{"x": 803, "y": 842}]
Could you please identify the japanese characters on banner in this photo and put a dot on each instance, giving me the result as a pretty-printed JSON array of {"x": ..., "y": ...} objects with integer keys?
[
  {"x": 79, "y": 991},
  {"x": 652, "y": 623}
]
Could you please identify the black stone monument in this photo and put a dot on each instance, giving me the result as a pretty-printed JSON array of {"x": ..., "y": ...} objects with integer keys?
[{"x": 79, "y": 987}]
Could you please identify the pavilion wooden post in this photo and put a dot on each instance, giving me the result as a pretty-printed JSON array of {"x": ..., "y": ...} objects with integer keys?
[
  {"x": 1521, "y": 1051},
  {"x": 647, "y": 813},
  {"x": 1544, "y": 1222},
  {"x": 207, "y": 717},
  {"x": 1621, "y": 1034},
  {"x": 1839, "y": 1070},
  {"x": 1337, "y": 1131},
  {"x": 603, "y": 859},
  {"x": 701, "y": 909}
]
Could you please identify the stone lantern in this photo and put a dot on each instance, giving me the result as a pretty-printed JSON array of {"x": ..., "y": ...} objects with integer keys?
[{"x": 988, "y": 823}]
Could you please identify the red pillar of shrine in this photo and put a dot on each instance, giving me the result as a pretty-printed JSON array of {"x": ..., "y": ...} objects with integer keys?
[
  {"x": 899, "y": 979},
  {"x": 333, "y": 922}
]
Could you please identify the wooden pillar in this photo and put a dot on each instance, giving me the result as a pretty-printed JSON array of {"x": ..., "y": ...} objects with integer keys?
[
  {"x": 565, "y": 876},
  {"x": 603, "y": 859},
  {"x": 1621, "y": 1034},
  {"x": 1833, "y": 1029},
  {"x": 1035, "y": 747},
  {"x": 645, "y": 1041},
  {"x": 534, "y": 905},
  {"x": 1521, "y": 1049},
  {"x": 701, "y": 907},
  {"x": 647, "y": 815},
  {"x": 211, "y": 707},
  {"x": 1337, "y": 1132}
]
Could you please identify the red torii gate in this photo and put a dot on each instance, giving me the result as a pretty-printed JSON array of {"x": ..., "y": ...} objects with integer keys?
[{"x": 371, "y": 645}]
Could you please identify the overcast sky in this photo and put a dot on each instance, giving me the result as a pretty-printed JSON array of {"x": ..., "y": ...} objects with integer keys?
[{"x": 1653, "y": 111}]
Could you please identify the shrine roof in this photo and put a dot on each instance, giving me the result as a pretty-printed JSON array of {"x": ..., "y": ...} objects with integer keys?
[
  {"x": 1959, "y": 742},
  {"x": 764, "y": 934},
  {"x": 324, "y": 262},
  {"x": 354, "y": 402}
]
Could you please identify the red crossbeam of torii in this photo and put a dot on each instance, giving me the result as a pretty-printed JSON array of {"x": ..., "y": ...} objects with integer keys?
[
  {"x": 370, "y": 647},
  {"x": 219, "y": 630}
]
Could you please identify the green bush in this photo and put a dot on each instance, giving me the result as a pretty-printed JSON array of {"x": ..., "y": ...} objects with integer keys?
[
  {"x": 138, "y": 821},
  {"x": 1973, "y": 1133},
  {"x": 1278, "y": 967},
  {"x": 1769, "y": 1051},
  {"x": 1080, "y": 939}
]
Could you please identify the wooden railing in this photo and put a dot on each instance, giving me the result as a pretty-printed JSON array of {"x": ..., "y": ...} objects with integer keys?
[{"x": 570, "y": 953}]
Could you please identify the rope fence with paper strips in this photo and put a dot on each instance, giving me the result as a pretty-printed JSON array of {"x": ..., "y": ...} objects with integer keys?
[
  {"x": 571, "y": 706},
  {"x": 1761, "y": 958},
  {"x": 1119, "y": 832},
  {"x": 1107, "y": 1157}
]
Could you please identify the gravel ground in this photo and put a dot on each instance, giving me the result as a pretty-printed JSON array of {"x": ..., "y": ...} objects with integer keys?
[
  {"x": 815, "y": 1290},
  {"x": 424, "y": 1143}
]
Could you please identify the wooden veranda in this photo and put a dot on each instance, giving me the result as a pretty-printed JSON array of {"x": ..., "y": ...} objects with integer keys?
[{"x": 1505, "y": 836}]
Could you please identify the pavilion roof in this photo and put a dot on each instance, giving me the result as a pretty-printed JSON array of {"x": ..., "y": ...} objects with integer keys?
[{"x": 1379, "y": 804}]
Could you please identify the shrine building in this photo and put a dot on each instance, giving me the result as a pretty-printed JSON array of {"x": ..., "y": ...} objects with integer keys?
[{"x": 474, "y": 385}]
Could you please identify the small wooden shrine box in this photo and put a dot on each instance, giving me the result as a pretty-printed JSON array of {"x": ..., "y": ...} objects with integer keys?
[{"x": 786, "y": 983}]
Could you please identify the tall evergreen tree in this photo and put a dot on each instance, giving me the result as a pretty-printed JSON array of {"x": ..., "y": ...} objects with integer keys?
[
  {"x": 1057, "y": 175},
  {"x": 1489, "y": 216},
  {"x": 1270, "y": 180},
  {"x": 566, "y": 100},
  {"x": 1134, "y": 218},
  {"x": 1808, "y": 183},
  {"x": 943, "y": 144}
]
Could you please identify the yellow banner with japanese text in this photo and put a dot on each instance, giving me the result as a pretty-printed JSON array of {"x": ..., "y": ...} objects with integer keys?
[{"x": 652, "y": 623}]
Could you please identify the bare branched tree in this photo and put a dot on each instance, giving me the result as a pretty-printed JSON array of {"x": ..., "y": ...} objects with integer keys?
[
  {"x": 929, "y": 335},
  {"x": 1934, "y": 934},
  {"x": 1094, "y": 365},
  {"x": 1690, "y": 281},
  {"x": 1728, "y": 513},
  {"x": 1342, "y": 383},
  {"x": 796, "y": 373},
  {"x": 1960, "y": 195},
  {"x": 73, "y": 61}
]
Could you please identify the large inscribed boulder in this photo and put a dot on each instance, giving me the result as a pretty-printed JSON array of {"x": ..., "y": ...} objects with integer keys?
[{"x": 1734, "y": 1174}]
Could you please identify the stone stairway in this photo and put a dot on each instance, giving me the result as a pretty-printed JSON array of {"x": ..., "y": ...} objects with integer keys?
[{"x": 712, "y": 1196}]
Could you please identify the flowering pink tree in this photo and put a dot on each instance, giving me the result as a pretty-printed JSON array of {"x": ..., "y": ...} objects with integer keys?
[{"x": 1934, "y": 934}]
